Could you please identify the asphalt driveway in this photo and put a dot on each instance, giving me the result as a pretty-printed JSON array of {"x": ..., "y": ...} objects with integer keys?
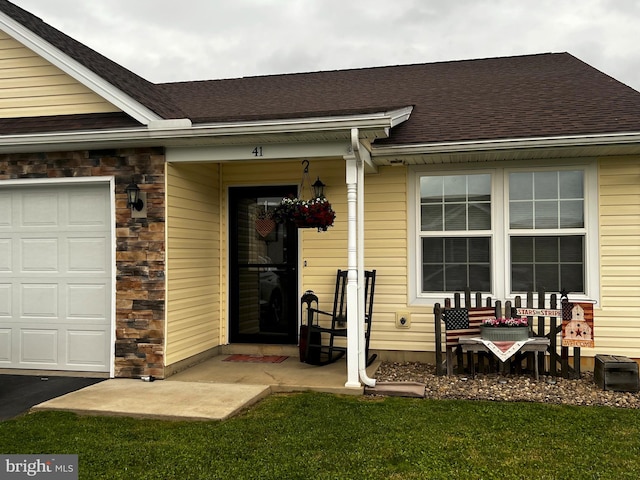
[{"x": 18, "y": 393}]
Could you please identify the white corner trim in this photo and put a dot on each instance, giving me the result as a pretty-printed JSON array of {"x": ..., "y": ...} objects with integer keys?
[{"x": 76, "y": 70}]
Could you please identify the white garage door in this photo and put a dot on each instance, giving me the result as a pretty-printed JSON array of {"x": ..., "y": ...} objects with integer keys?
[{"x": 55, "y": 277}]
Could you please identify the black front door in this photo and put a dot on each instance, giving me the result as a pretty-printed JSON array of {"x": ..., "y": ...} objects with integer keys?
[{"x": 263, "y": 260}]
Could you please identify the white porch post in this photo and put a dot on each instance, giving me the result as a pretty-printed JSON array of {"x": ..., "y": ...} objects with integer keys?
[{"x": 352, "y": 276}]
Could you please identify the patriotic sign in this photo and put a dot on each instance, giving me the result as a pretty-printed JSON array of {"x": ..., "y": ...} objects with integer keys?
[
  {"x": 577, "y": 325},
  {"x": 538, "y": 312}
]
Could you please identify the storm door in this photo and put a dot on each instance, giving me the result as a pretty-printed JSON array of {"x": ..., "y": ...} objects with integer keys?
[{"x": 263, "y": 260}]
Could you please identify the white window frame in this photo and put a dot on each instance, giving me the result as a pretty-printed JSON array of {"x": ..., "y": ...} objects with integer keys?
[{"x": 500, "y": 244}]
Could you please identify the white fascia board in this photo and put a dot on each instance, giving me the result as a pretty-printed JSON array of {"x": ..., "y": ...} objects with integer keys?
[
  {"x": 400, "y": 115},
  {"x": 257, "y": 151},
  {"x": 509, "y": 144},
  {"x": 78, "y": 71}
]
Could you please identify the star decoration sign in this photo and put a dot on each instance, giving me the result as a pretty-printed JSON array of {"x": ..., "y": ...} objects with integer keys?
[{"x": 577, "y": 324}]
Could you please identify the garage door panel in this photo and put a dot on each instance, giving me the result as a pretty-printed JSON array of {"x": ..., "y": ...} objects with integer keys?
[
  {"x": 87, "y": 208},
  {"x": 39, "y": 300},
  {"x": 6, "y": 210},
  {"x": 86, "y": 348},
  {"x": 39, "y": 255},
  {"x": 39, "y": 346},
  {"x": 40, "y": 209},
  {"x": 87, "y": 302},
  {"x": 83, "y": 256},
  {"x": 6, "y": 248},
  {"x": 5, "y": 345},
  {"x": 56, "y": 286},
  {"x": 6, "y": 294}
]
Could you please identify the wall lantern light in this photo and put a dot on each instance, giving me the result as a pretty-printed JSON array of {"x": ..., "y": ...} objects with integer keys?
[
  {"x": 134, "y": 202},
  {"x": 318, "y": 188}
]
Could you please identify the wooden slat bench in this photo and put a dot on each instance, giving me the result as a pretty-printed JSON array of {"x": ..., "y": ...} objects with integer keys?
[{"x": 542, "y": 324}]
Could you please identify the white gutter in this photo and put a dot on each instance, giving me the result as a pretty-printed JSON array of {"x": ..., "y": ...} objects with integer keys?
[
  {"x": 509, "y": 144},
  {"x": 183, "y": 130}
]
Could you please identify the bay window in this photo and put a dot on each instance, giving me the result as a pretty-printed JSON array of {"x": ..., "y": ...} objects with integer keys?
[{"x": 506, "y": 231}]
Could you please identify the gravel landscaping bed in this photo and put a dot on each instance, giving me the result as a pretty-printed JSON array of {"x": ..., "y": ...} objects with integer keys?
[{"x": 513, "y": 388}]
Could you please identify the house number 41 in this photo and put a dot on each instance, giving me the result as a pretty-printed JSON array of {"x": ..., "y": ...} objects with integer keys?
[{"x": 257, "y": 152}]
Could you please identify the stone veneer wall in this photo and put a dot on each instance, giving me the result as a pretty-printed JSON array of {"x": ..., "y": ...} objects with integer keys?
[{"x": 140, "y": 244}]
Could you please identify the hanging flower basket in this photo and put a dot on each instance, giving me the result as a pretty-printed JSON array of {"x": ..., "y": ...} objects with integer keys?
[{"x": 314, "y": 213}]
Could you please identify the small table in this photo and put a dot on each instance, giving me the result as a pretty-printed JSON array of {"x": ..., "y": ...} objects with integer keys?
[{"x": 535, "y": 345}]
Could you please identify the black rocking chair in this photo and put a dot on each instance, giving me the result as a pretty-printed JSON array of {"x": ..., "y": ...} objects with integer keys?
[{"x": 317, "y": 351}]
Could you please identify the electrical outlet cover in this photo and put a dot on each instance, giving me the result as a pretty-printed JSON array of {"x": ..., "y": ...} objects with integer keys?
[{"x": 403, "y": 320}]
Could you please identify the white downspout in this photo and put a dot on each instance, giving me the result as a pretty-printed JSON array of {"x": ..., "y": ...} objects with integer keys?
[
  {"x": 362, "y": 354},
  {"x": 352, "y": 276}
]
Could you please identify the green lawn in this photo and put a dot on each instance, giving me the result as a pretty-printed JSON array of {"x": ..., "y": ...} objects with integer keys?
[{"x": 316, "y": 435}]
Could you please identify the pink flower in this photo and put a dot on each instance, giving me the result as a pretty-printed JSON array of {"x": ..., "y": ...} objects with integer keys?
[{"x": 506, "y": 322}]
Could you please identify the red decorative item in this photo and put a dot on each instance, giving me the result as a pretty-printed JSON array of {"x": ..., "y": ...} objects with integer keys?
[{"x": 264, "y": 226}]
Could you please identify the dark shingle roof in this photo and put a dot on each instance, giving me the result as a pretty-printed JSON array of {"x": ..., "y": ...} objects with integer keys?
[
  {"x": 511, "y": 97},
  {"x": 66, "y": 123}
]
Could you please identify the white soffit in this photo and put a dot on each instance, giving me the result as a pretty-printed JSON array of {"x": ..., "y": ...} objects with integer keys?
[{"x": 509, "y": 149}]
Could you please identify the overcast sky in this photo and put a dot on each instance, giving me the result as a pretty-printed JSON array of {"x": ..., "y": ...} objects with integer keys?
[{"x": 175, "y": 40}]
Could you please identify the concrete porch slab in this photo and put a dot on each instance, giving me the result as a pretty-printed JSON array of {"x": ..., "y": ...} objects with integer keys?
[{"x": 214, "y": 389}]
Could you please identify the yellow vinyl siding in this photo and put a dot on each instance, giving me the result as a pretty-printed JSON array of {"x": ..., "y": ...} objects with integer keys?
[
  {"x": 323, "y": 252},
  {"x": 32, "y": 87},
  {"x": 616, "y": 318},
  {"x": 386, "y": 251},
  {"x": 193, "y": 260}
]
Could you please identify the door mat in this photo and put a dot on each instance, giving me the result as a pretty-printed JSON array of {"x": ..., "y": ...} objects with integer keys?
[{"x": 256, "y": 358}]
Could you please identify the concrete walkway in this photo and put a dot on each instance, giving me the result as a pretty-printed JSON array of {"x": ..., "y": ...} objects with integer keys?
[
  {"x": 161, "y": 399},
  {"x": 212, "y": 390}
]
